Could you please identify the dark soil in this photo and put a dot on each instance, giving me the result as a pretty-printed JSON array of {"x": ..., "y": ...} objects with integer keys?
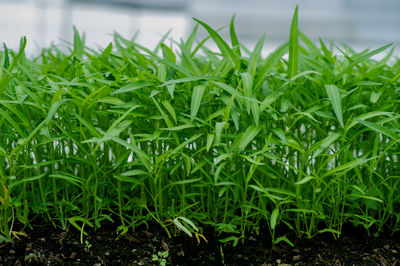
[{"x": 46, "y": 245}]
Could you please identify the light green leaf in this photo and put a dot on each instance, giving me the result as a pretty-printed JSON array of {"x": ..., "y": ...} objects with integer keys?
[
  {"x": 170, "y": 109},
  {"x": 247, "y": 82},
  {"x": 133, "y": 86},
  {"x": 255, "y": 55},
  {"x": 219, "y": 126},
  {"x": 269, "y": 63},
  {"x": 210, "y": 139},
  {"x": 390, "y": 132},
  {"x": 134, "y": 172},
  {"x": 274, "y": 218},
  {"x": 234, "y": 39},
  {"x": 294, "y": 45},
  {"x": 197, "y": 95},
  {"x": 326, "y": 142},
  {"x": 250, "y": 133},
  {"x": 304, "y": 180},
  {"x": 342, "y": 169},
  {"x": 226, "y": 51},
  {"x": 334, "y": 97}
]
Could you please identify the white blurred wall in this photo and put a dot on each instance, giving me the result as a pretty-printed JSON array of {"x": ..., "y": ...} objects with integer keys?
[
  {"x": 50, "y": 21},
  {"x": 360, "y": 23}
]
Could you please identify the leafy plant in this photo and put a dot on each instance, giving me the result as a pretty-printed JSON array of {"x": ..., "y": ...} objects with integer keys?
[
  {"x": 305, "y": 139},
  {"x": 161, "y": 257}
]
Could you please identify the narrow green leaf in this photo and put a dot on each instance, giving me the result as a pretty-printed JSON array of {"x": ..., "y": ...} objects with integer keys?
[
  {"x": 73, "y": 220},
  {"x": 304, "y": 180},
  {"x": 161, "y": 41},
  {"x": 177, "y": 128},
  {"x": 270, "y": 99},
  {"x": 3, "y": 152},
  {"x": 111, "y": 100},
  {"x": 269, "y": 63},
  {"x": 134, "y": 172},
  {"x": 181, "y": 227},
  {"x": 247, "y": 82},
  {"x": 170, "y": 110},
  {"x": 365, "y": 57},
  {"x": 326, "y": 142},
  {"x": 334, "y": 97},
  {"x": 168, "y": 53},
  {"x": 222, "y": 157},
  {"x": 73, "y": 179},
  {"x": 250, "y": 133},
  {"x": 26, "y": 179},
  {"x": 284, "y": 239},
  {"x": 294, "y": 45},
  {"x": 369, "y": 115},
  {"x": 133, "y": 86},
  {"x": 189, "y": 63},
  {"x": 274, "y": 218},
  {"x": 234, "y": 39},
  {"x": 234, "y": 239},
  {"x": 138, "y": 180},
  {"x": 219, "y": 126},
  {"x": 186, "y": 181},
  {"x": 255, "y": 55},
  {"x": 229, "y": 89},
  {"x": 342, "y": 169},
  {"x": 329, "y": 230},
  {"x": 197, "y": 95},
  {"x": 4, "y": 81},
  {"x": 78, "y": 44},
  {"x": 188, "y": 79},
  {"x": 88, "y": 126},
  {"x": 144, "y": 157},
  {"x": 210, "y": 139},
  {"x": 6, "y": 63},
  {"x": 255, "y": 110},
  {"x": 365, "y": 197},
  {"x": 227, "y": 110},
  {"x": 191, "y": 39},
  {"x": 54, "y": 109},
  {"x": 390, "y": 132},
  {"x": 171, "y": 90},
  {"x": 226, "y": 51}
]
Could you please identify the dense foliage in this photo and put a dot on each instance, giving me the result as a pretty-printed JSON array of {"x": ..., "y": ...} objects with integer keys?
[{"x": 306, "y": 139}]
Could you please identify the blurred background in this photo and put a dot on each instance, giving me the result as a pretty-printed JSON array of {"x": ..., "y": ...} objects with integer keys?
[{"x": 359, "y": 23}]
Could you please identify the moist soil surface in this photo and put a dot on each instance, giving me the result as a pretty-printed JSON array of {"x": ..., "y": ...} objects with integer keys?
[{"x": 46, "y": 245}]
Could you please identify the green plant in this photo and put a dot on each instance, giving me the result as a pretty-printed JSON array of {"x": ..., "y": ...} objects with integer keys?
[
  {"x": 87, "y": 245},
  {"x": 305, "y": 139},
  {"x": 161, "y": 258}
]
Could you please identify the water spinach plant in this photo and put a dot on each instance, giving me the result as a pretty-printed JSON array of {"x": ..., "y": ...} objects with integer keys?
[{"x": 305, "y": 139}]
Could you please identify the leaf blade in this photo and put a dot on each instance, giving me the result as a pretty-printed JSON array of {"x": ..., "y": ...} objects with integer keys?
[{"x": 334, "y": 97}]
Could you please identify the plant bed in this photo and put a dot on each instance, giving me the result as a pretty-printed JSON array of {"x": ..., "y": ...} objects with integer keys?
[
  {"x": 105, "y": 247},
  {"x": 294, "y": 146}
]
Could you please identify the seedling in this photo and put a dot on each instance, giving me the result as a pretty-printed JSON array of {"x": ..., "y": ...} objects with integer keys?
[
  {"x": 306, "y": 138},
  {"x": 161, "y": 258}
]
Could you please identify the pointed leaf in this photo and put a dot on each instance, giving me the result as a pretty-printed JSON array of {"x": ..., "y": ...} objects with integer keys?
[
  {"x": 226, "y": 51},
  {"x": 210, "y": 139},
  {"x": 380, "y": 129},
  {"x": 294, "y": 45},
  {"x": 197, "y": 95},
  {"x": 234, "y": 39},
  {"x": 250, "y": 133},
  {"x": 334, "y": 97},
  {"x": 274, "y": 218}
]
